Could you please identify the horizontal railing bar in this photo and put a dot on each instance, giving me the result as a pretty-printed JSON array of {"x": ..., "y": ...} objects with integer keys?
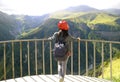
[
  {"x": 114, "y": 42},
  {"x": 25, "y": 40}
]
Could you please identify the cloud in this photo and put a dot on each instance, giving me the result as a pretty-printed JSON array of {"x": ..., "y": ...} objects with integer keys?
[
  {"x": 39, "y": 7},
  {"x": 117, "y": 6}
]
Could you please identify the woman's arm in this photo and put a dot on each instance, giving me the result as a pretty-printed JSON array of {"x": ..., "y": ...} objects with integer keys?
[
  {"x": 53, "y": 36},
  {"x": 71, "y": 38}
]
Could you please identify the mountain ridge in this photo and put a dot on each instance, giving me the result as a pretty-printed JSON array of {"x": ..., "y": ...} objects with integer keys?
[
  {"x": 80, "y": 14},
  {"x": 81, "y": 8}
]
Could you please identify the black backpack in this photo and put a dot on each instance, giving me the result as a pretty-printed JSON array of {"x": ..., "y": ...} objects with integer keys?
[{"x": 60, "y": 49}]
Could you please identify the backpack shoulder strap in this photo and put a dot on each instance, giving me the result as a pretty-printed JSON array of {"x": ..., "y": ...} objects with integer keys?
[
  {"x": 56, "y": 40},
  {"x": 60, "y": 38}
]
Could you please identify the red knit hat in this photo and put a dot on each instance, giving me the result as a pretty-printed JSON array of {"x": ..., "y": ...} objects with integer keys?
[{"x": 63, "y": 25}]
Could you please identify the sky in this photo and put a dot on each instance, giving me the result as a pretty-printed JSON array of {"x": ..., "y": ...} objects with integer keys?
[{"x": 40, "y": 7}]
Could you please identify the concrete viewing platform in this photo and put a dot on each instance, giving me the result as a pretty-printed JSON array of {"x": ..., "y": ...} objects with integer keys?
[{"x": 55, "y": 78}]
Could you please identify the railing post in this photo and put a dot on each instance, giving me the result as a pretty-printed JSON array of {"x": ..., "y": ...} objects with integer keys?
[
  {"x": 28, "y": 47},
  {"x": 79, "y": 57},
  {"x": 71, "y": 58},
  {"x": 102, "y": 60},
  {"x": 13, "y": 70},
  {"x": 4, "y": 61},
  {"x": 86, "y": 43},
  {"x": 36, "y": 70},
  {"x": 111, "y": 61},
  {"x": 20, "y": 58},
  {"x": 43, "y": 57},
  {"x": 94, "y": 58},
  {"x": 50, "y": 57}
]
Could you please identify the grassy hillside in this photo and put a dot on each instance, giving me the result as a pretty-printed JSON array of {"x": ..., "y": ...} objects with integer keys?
[
  {"x": 105, "y": 19},
  {"x": 30, "y": 32},
  {"x": 115, "y": 70},
  {"x": 115, "y": 65},
  {"x": 65, "y": 14}
]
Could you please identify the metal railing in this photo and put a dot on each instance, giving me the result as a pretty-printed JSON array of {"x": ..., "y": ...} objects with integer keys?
[{"x": 34, "y": 56}]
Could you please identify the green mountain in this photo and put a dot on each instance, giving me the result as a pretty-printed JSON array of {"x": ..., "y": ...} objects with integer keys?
[
  {"x": 87, "y": 20},
  {"x": 11, "y": 26},
  {"x": 7, "y": 26},
  {"x": 25, "y": 22},
  {"x": 86, "y": 24}
]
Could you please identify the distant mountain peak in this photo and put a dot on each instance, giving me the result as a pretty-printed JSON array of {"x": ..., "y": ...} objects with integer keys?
[{"x": 81, "y": 8}]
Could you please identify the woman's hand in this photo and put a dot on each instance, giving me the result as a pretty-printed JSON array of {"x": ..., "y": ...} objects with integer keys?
[
  {"x": 68, "y": 53},
  {"x": 78, "y": 38}
]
